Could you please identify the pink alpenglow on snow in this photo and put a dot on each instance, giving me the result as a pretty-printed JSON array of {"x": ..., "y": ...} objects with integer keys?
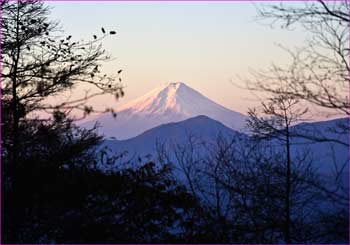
[{"x": 172, "y": 102}]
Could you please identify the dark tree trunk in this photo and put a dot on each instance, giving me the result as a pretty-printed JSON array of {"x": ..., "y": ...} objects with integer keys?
[{"x": 288, "y": 173}]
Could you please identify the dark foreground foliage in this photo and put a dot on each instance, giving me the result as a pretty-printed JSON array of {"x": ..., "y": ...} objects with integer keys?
[{"x": 55, "y": 194}]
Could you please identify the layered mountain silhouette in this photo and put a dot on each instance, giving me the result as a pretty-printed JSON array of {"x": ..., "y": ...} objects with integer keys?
[
  {"x": 169, "y": 103},
  {"x": 200, "y": 134},
  {"x": 200, "y": 130}
]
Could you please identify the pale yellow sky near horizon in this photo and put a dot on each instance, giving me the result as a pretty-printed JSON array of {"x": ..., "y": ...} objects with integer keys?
[{"x": 207, "y": 45}]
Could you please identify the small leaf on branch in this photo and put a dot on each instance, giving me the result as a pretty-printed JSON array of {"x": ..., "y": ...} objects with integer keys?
[
  {"x": 103, "y": 30},
  {"x": 112, "y": 33}
]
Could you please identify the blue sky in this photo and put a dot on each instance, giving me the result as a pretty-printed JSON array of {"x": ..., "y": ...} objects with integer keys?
[{"x": 204, "y": 44}]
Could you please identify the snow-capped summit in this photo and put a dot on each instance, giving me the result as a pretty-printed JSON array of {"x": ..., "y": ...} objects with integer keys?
[
  {"x": 172, "y": 102},
  {"x": 157, "y": 100}
]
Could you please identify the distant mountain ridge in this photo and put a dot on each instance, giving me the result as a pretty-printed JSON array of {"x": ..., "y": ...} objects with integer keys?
[
  {"x": 207, "y": 130},
  {"x": 173, "y": 102},
  {"x": 202, "y": 128}
]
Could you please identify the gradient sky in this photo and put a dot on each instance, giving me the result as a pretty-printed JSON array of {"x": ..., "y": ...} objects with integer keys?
[{"x": 204, "y": 44}]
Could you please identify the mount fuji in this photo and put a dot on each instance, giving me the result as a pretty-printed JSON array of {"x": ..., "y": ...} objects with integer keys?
[{"x": 172, "y": 102}]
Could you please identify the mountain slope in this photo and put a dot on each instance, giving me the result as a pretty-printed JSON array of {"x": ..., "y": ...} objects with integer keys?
[
  {"x": 327, "y": 141},
  {"x": 327, "y": 157},
  {"x": 168, "y": 103},
  {"x": 201, "y": 128}
]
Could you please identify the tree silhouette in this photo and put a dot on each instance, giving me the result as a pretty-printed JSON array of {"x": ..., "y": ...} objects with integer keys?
[
  {"x": 58, "y": 185},
  {"x": 37, "y": 64},
  {"x": 317, "y": 74},
  {"x": 319, "y": 71},
  {"x": 280, "y": 113}
]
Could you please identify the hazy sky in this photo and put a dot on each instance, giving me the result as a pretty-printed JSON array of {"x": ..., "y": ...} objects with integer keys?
[{"x": 204, "y": 44}]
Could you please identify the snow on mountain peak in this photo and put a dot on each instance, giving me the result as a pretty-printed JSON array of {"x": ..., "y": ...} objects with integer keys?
[
  {"x": 160, "y": 100},
  {"x": 172, "y": 102}
]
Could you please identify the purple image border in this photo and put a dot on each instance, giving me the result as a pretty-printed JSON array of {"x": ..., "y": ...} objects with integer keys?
[{"x": 151, "y": 1}]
